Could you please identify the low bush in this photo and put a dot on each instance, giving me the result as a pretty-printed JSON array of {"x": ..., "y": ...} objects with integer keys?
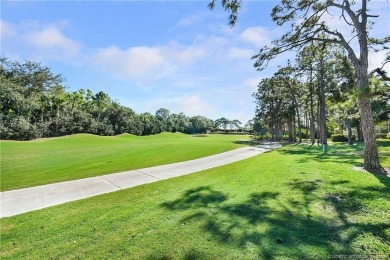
[
  {"x": 342, "y": 138},
  {"x": 339, "y": 138},
  {"x": 381, "y": 135}
]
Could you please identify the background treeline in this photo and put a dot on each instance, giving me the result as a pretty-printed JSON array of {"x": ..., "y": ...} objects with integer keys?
[
  {"x": 35, "y": 103},
  {"x": 316, "y": 98}
]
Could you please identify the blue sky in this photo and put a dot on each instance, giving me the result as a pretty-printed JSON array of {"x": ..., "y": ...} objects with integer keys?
[{"x": 150, "y": 54}]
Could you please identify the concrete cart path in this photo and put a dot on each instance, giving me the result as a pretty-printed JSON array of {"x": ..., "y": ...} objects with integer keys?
[{"x": 16, "y": 202}]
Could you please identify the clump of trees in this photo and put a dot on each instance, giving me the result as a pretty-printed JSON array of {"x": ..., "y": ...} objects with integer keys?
[
  {"x": 34, "y": 103},
  {"x": 316, "y": 99},
  {"x": 308, "y": 25}
]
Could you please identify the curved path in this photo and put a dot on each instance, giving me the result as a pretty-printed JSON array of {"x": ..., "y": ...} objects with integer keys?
[{"x": 16, "y": 202}]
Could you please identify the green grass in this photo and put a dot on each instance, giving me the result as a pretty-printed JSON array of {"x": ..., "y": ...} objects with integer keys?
[
  {"x": 32, "y": 163},
  {"x": 291, "y": 203}
]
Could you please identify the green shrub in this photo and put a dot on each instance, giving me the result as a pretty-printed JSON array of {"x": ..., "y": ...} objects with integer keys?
[
  {"x": 388, "y": 136},
  {"x": 18, "y": 128},
  {"x": 339, "y": 138},
  {"x": 266, "y": 136},
  {"x": 381, "y": 136},
  {"x": 342, "y": 138}
]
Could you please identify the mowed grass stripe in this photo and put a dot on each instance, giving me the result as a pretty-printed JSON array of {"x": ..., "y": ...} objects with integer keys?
[
  {"x": 291, "y": 203},
  {"x": 44, "y": 161}
]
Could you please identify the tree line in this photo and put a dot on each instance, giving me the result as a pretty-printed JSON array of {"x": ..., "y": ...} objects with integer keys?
[
  {"x": 35, "y": 104},
  {"x": 309, "y": 24},
  {"x": 316, "y": 98}
]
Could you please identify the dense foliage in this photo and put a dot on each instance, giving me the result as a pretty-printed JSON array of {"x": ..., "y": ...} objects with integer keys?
[{"x": 35, "y": 103}]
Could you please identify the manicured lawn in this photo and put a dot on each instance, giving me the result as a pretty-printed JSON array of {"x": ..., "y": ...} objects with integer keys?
[
  {"x": 291, "y": 203},
  {"x": 32, "y": 163}
]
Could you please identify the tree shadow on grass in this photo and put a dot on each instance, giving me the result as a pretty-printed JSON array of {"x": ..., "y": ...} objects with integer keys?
[
  {"x": 332, "y": 154},
  {"x": 383, "y": 143},
  {"x": 338, "y": 153},
  {"x": 264, "y": 144},
  {"x": 248, "y": 142},
  {"x": 191, "y": 254},
  {"x": 277, "y": 225},
  {"x": 199, "y": 197}
]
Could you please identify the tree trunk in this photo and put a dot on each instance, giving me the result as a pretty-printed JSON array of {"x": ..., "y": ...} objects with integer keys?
[
  {"x": 349, "y": 130},
  {"x": 290, "y": 132},
  {"x": 312, "y": 125},
  {"x": 294, "y": 133},
  {"x": 277, "y": 129},
  {"x": 307, "y": 126},
  {"x": 359, "y": 133},
  {"x": 312, "y": 122},
  {"x": 341, "y": 126},
  {"x": 272, "y": 126},
  {"x": 371, "y": 158},
  {"x": 322, "y": 103},
  {"x": 319, "y": 125},
  {"x": 298, "y": 121}
]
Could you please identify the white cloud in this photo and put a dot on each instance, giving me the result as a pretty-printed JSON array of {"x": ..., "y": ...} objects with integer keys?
[
  {"x": 336, "y": 21},
  {"x": 190, "y": 105},
  {"x": 189, "y": 20},
  {"x": 376, "y": 60},
  {"x": 381, "y": 27},
  {"x": 252, "y": 83},
  {"x": 6, "y": 30},
  {"x": 147, "y": 63},
  {"x": 183, "y": 54},
  {"x": 259, "y": 36},
  {"x": 51, "y": 38},
  {"x": 136, "y": 61},
  {"x": 194, "y": 105},
  {"x": 236, "y": 53},
  {"x": 31, "y": 39},
  {"x": 190, "y": 79}
]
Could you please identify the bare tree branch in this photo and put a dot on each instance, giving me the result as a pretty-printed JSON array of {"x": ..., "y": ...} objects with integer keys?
[{"x": 381, "y": 73}]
